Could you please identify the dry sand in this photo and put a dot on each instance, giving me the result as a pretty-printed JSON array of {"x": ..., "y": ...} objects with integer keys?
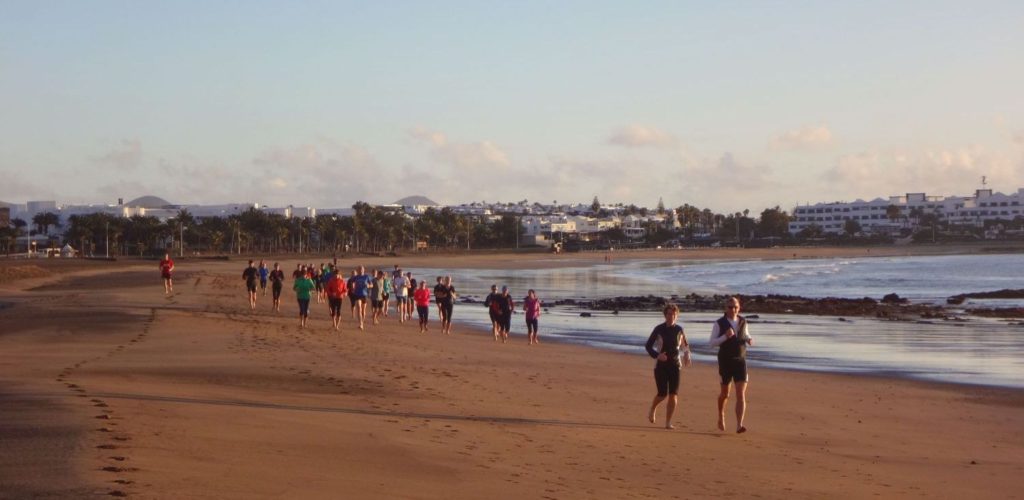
[{"x": 109, "y": 388}]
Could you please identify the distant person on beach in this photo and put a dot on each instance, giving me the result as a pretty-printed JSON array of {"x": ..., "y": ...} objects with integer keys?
[
  {"x": 361, "y": 286},
  {"x": 447, "y": 305},
  {"x": 493, "y": 305},
  {"x": 531, "y": 306},
  {"x": 507, "y": 307},
  {"x": 732, "y": 336},
  {"x": 304, "y": 288},
  {"x": 413, "y": 286},
  {"x": 264, "y": 274},
  {"x": 422, "y": 299},
  {"x": 386, "y": 282},
  {"x": 316, "y": 274},
  {"x": 276, "y": 284},
  {"x": 400, "y": 284},
  {"x": 439, "y": 292},
  {"x": 336, "y": 290},
  {"x": 352, "y": 296},
  {"x": 666, "y": 343},
  {"x": 378, "y": 294},
  {"x": 250, "y": 275},
  {"x": 166, "y": 268},
  {"x": 299, "y": 271}
]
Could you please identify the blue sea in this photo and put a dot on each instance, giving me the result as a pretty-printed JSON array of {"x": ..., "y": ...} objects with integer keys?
[{"x": 975, "y": 350}]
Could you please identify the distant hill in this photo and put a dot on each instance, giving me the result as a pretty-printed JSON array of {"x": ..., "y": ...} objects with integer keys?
[{"x": 409, "y": 201}]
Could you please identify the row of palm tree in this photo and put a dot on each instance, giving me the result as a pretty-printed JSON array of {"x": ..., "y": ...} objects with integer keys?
[{"x": 370, "y": 229}]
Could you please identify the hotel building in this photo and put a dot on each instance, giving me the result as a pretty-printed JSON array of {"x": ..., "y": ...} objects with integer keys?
[{"x": 873, "y": 216}]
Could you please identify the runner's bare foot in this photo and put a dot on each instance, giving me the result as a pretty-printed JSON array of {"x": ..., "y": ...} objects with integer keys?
[
  {"x": 741, "y": 430},
  {"x": 651, "y": 416},
  {"x": 721, "y": 423}
]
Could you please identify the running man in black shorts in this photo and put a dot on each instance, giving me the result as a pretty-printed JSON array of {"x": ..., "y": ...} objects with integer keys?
[
  {"x": 665, "y": 344},
  {"x": 731, "y": 335},
  {"x": 276, "y": 285},
  {"x": 251, "y": 275}
]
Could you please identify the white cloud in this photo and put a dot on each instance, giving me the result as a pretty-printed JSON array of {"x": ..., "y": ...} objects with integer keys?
[
  {"x": 473, "y": 155},
  {"x": 126, "y": 156},
  {"x": 955, "y": 171},
  {"x": 639, "y": 136},
  {"x": 804, "y": 138}
]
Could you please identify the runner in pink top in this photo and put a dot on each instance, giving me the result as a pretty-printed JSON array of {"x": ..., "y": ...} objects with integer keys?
[{"x": 531, "y": 305}]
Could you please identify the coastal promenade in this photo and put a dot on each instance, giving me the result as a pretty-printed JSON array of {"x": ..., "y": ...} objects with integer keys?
[{"x": 107, "y": 387}]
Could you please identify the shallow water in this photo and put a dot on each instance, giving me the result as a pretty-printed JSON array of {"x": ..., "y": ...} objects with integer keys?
[{"x": 974, "y": 351}]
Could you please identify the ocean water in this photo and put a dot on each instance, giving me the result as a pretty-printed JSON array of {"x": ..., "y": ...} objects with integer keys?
[{"x": 976, "y": 350}]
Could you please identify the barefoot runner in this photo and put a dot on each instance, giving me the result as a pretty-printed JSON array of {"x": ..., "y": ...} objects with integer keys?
[
  {"x": 671, "y": 341},
  {"x": 731, "y": 335},
  {"x": 250, "y": 275},
  {"x": 422, "y": 299},
  {"x": 276, "y": 284},
  {"x": 166, "y": 268},
  {"x": 337, "y": 289},
  {"x": 304, "y": 289}
]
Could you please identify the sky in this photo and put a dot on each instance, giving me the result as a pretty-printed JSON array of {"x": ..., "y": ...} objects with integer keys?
[{"x": 723, "y": 105}]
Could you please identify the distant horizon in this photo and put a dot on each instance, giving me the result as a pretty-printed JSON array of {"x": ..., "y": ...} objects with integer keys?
[{"x": 786, "y": 208}]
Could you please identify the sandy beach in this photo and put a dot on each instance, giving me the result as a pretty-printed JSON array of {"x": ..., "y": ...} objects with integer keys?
[{"x": 109, "y": 388}]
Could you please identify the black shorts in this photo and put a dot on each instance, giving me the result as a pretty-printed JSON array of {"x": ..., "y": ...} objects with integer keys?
[
  {"x": 531, "y": 325},
  {"x": 276, "y": 287},
  {"x": 378, "y": 304},
  {"x": 495, "y": 317},
  {"x": 424, "y": 312},
  {"x": 732, "y": 370},
  {"x": 666, "y": 377},
  {"x": 251, "y": 286},
  {"x": 263, "y": 284},
  {"x": 386, "y": 296},
  {"x": 335, "y": 305},
  {"x": 447, "y": 307}
]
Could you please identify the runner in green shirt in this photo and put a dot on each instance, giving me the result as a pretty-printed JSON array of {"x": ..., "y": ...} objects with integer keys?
[{"x": 303, "y": 291}]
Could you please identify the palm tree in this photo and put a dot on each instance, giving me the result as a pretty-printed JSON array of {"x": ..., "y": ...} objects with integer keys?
[
  {"x": 893, "y": 212},
  {"x": 44, "y": 220}
]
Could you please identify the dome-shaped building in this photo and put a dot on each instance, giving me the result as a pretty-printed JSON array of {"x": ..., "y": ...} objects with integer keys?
[{"x": 150, "y": 202}]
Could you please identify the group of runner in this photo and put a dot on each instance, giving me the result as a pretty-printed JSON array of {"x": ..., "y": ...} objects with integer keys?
[
  {"x": 667, "y": 343},
  {"x": 327, "y": 283}
]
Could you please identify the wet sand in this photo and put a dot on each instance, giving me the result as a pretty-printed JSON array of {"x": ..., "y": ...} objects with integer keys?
[{"x": 109, "y": 388}]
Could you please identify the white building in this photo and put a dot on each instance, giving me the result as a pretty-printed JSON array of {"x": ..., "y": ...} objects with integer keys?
[{"x": 874, "y": 216}]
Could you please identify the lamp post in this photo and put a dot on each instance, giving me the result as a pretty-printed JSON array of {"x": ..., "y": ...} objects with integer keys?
[
  {"x": 181, "y": 240},
  {"x": 106, "y": 242}
]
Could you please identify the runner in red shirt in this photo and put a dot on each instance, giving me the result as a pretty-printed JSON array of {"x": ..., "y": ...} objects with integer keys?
[
  {"x": 422, "y": 299},
  {"x": 166, "y": 267},
  {"x": 337, "y": 289}
]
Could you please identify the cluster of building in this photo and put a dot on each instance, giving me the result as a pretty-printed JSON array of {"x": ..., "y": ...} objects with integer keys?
[
  {"x": 541, "y": 223},
  {"x": 877, "y": 216},
  {"x": 545, "y": 222}
]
